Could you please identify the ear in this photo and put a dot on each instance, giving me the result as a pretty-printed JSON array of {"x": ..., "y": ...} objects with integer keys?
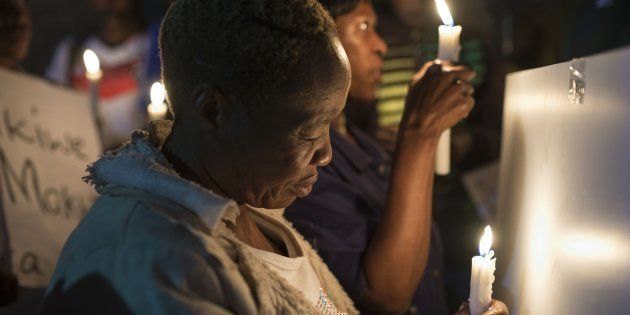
[{"x": 211, "y": 105}]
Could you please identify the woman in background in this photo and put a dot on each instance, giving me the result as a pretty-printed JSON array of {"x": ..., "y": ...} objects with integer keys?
[
  {"x": 122, "y": 46},
  {"x": 370, "y": 214},
  {"x": 15, "y": 33}
]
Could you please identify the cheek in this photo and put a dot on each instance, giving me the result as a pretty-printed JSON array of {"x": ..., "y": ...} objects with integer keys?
[
  {"x": 296, "y": 159},
  {"x": 286, "y": 162},
  {"x": 362, "y": 85}
]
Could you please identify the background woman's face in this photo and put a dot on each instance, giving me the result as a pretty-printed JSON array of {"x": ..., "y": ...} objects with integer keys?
[
  {"x": 365, "y": 48},
  {"x": 113, "y": 6},
  {"x": 15, "y": 36}
]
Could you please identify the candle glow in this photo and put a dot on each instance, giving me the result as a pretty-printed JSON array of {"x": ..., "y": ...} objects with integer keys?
[
  {"x": 157, "y": 109},
  {"x": 482, "y": 275},
  {"x": 158, "y": 93},
  {"x": 92, "y": 65},
  {"x": 444, "y": 12},
  {"x": 448, "y": 49},
  {"x": 486, "y": 241}
]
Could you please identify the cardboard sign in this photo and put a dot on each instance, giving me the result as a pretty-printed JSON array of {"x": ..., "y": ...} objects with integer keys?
[{"x": 47, "y": 137}]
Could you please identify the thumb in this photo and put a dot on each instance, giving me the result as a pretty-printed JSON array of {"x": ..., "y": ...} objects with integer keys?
[{"x": 427, "y": 69}]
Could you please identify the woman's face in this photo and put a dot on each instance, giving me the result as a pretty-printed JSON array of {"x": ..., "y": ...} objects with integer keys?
[
  {"x": 365, "y": 48},
  {"x": 113, "y": 6},
  {"x": 15, "y": 37},
  {"x": 271, "y": 158}
]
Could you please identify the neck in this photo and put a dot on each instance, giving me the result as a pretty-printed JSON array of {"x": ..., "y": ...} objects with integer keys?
[
  {"x": 184, "y": 159},
  {"x": 339, "y": 125}
]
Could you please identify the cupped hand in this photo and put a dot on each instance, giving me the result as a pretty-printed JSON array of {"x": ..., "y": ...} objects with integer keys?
[
  {"x": 439, "y": 96},
  {"x": 496, "y": 308}
]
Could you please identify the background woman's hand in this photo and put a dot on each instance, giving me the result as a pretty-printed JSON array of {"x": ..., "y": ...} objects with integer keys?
[
  {"x": 496, "y": 308},
  {"x": 439, "y": 96}
]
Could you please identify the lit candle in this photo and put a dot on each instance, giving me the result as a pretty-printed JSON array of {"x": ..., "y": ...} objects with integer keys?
[
  {"x": 448, "y": 50},
  {"x": 157, "y": 109},
  {"x": 482, "y": 275},
  {"x": 94, "y": 74}
]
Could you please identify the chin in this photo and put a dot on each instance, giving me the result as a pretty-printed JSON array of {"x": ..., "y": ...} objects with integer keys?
[
  {"x": 276, "y": 204},
  {"x": 364, "y": 97}
]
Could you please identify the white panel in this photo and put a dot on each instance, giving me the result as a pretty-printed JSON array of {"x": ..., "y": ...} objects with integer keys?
[{"x": 564, "y": 205}]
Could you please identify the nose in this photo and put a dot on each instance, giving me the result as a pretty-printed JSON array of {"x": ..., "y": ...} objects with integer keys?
[
  {"x": 323, "y": 154},
  {"x": 379, "y": 45}
]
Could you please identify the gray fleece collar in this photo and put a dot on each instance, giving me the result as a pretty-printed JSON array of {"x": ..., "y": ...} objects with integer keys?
[{"x": 140, "y": 165}]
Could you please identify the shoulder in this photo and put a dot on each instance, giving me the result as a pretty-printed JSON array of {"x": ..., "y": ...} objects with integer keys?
[
  {"x": 151, "y": 263},
  {"x": 140, "y": 277},
  {"x": 115, "y": 221}
]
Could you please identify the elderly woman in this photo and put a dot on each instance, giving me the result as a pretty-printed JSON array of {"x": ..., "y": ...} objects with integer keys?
[{"x": 183, "y": 224}]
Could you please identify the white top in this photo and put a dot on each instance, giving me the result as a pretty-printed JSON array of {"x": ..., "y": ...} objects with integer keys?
[
  {"x": 295, "y": 268},
  {"x": 296, "y": 271}
]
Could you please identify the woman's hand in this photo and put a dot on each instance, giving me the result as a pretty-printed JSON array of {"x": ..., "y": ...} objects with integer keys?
[
  {"x": 439, "y": 96},
  {"x": 496, "y": 308}
]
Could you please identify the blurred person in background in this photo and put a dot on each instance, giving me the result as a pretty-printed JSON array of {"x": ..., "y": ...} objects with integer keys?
[
  {"x": 15, "y": 33},
  {"x": 120, "y": 42},
  {"x": 351, "y": 217},
  {"x": 409, "y": 27},
  {"x": 15, "y": 38}
]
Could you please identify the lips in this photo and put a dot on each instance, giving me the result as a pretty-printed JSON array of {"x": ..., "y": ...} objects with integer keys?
[
  {"x": 377, "y": 73},
  {"x": 305, "y": 186},
  {"x": 378, "y": 76}
]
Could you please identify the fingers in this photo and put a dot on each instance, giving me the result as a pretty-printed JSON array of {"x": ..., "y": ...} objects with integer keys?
[
  {"x": 460, "y": 100},
  {"x": 463, "y": 309},
  {"x": 465, "y": 88},
  {"x": 460, "y": 71},
  {"x": 460, "y": 92},
  {"x": 430, "y": 67},
  {"x": 497, "y": 308}
]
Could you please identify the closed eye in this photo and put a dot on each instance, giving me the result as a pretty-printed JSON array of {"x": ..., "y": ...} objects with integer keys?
[{"x": 314, "y": 138}]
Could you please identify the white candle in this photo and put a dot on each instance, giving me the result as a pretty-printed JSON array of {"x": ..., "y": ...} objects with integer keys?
[
  {"x": 157, "y": 109},
  {"x": 94, "y": 74},
  {"x": 449, "y": 47},
  {"x": 448, "y": 50},
  {"x": 482, "y": 275}
]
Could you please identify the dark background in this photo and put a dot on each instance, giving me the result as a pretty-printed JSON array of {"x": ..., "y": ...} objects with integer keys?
[{"x": 531, "y": 33}]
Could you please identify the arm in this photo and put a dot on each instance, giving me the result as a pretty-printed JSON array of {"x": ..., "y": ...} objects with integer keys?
[{"x": 397, "y": 255}]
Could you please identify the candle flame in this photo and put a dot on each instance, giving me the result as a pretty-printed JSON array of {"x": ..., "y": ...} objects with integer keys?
[
  {"x": 486, "y": 241},
  {"x": 158, "y": 93},
  {"x": 90, "y": 59},
  {"x": 445, "y": 13}
]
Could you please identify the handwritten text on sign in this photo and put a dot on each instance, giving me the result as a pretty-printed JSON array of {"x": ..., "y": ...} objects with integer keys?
[{"x": 47, "y": 137}]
